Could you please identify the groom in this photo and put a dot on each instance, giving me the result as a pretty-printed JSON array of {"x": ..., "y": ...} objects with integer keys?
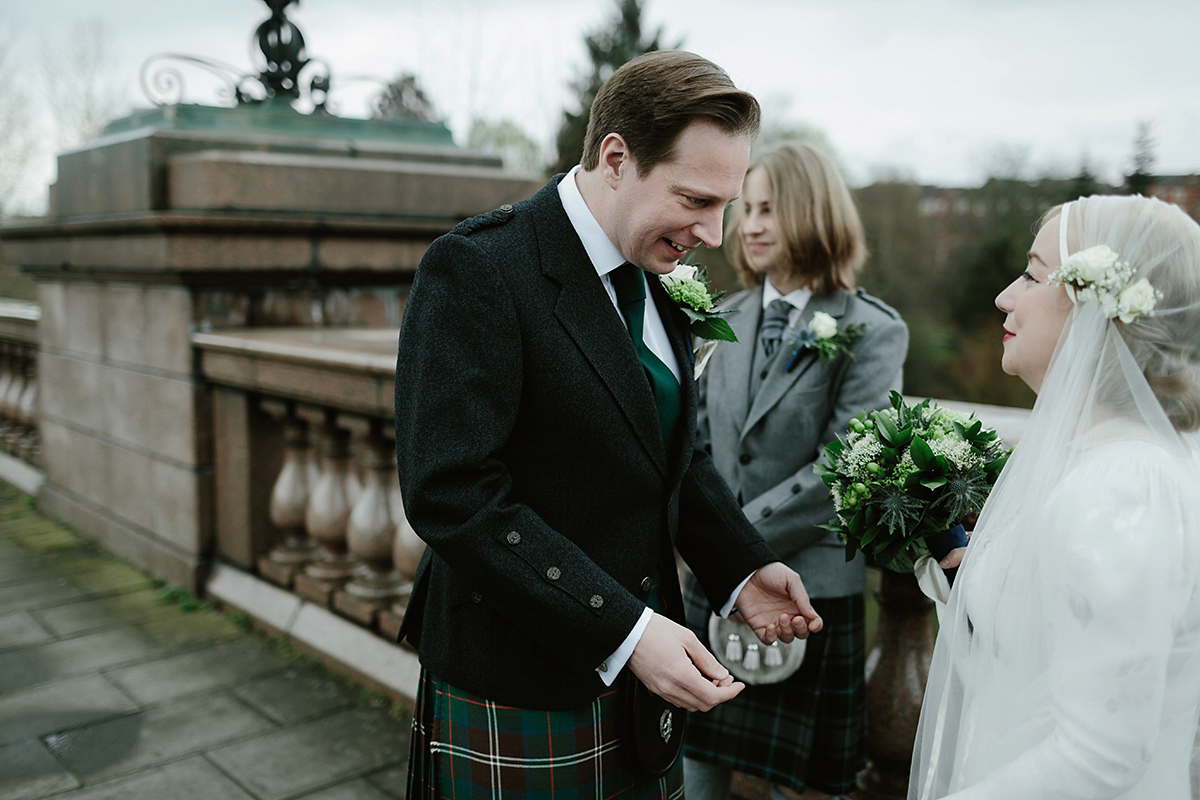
[{"x": 545, "y": 426}]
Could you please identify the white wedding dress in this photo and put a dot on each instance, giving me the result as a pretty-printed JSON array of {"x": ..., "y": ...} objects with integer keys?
[{"x": 1067, "y": 665}]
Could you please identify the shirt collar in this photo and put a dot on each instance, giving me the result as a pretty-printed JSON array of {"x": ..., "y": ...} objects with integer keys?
[
  {"x": 798, "y": 298},
  {"x": 605, "y": 257}
]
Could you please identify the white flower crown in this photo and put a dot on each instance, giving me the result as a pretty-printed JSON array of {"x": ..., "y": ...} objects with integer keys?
[{"x": 1099, "y": 274}]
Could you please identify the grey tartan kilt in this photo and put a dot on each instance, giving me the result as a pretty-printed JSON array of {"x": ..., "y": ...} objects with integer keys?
[{"x": 809, "y": 730}]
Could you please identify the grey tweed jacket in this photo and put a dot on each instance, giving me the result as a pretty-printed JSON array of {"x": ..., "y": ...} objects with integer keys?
[{"x": 765, "y": 443}]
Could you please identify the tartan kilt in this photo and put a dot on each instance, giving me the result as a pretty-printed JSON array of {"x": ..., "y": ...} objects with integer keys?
[
  {"x": 809, "y": 730},
  {"x": 464, "y": 746}
]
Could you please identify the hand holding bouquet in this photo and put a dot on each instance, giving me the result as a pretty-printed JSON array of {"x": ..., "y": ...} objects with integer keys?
[{"x": 906, "y": 474}]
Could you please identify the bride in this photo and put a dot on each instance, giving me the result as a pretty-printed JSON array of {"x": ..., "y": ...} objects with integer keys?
[{"x": 1067, "y": 664}]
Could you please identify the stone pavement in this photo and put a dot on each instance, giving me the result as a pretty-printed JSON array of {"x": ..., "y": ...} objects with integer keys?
[{"x": 112, "y": 687}]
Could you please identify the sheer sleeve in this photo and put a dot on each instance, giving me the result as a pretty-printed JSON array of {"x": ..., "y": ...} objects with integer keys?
[{"x": 1115, "y": 582}]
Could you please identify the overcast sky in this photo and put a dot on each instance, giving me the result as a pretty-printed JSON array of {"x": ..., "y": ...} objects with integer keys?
[{"x": 934, "y": 90}]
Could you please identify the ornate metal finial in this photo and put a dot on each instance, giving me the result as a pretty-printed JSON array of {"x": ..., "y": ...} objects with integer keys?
[{"x": 281, "y": 61}]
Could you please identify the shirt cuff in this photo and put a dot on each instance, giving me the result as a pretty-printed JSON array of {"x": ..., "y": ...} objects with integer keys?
[
  {"x": 613, "y": 665},
  {"x": 727, "y": 609}
]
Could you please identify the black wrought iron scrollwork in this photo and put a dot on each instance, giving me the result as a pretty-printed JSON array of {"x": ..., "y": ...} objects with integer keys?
[{"x": 284, "y": 70}]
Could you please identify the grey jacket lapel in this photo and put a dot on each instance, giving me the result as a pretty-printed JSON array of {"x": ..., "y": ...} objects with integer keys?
[
  {"x": 744, "y": 320},
  {"x": 602, "y": 338},
  {"x": 778, "y": 382}
]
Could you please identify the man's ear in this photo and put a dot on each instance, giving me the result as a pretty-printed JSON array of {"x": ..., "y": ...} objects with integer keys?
[{"x": 615, "y": 160}]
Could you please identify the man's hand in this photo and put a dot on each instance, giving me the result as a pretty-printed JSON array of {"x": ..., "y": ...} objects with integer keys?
[
  {"x": 673, "y": 664},
  {"x": 774, "y": 603}
]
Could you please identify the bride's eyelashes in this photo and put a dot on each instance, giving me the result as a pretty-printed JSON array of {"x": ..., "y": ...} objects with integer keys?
[{"x": 1029, "y": 277}]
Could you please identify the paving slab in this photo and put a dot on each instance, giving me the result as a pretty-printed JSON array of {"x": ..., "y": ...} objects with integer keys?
[
  {"x": 191, "y": 779},
  {"x": 101, "y": 574},
  {"x": 16, "y": 567},
  {"x": 59, "y": 706},
  {"x": 177, "y": 629},
  {"x": 315, "y": 754},
  {"x": 27, "y": 771},
  {"x": 158, "y": 734},
  {"x": 38, "y": 593},
  {"x": 19, "y": 629},
  {"x": 355, "y": 790},
  {"x": 391, "y": 781},
  {"x": 213, "y": 667},
  {"x": 85, "y": 615},
  {"x": 29, "y": 666},
  {"x": 297, "y": 694}
]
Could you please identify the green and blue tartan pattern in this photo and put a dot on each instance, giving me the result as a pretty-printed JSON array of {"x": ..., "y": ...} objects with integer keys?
[
  {"x": 809, "y": 730},
  {"x": 465, "y": 747}
]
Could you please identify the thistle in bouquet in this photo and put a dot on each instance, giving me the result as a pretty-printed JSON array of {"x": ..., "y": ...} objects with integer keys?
[{"x": 902, "y": 477}]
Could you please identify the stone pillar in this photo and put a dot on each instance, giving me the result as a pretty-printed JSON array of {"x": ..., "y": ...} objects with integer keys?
[
  {"x": 898, "y": 667},
  {"x": 187, "y": 219}
]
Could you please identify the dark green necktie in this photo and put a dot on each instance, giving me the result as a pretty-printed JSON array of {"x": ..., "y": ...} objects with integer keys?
[{"x": 630, "y": 287}]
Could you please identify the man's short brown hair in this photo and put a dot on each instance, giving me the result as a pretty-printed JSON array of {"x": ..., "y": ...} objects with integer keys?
[{"x": 652, "y": 98}]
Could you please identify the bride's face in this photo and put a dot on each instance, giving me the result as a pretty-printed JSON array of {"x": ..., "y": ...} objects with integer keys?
[{"x": 1036, "y": 311}]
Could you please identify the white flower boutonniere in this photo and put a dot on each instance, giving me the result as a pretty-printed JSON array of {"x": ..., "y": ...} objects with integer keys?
[
  {"x": 1099, "y": 274},
  {"x": 822, "y": 334},
  {"x": 686, "y": 285}
]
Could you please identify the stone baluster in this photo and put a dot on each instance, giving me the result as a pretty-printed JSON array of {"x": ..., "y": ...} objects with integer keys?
[
  {"x": 408, "y": 546},
  {"x": 11, "y": 402},
  {"x": 27, "y": 444},
  {"x": 326, "y": 518},
  {"x": 370, "y": 534},
  {"x": 7, "y": 376},
  {"x": 289, "y": 499},
  {"x": 897, "y": 669}
]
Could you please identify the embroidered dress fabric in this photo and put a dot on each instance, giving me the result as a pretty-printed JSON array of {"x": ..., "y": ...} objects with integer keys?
[{"x": 1067, "y": 664}]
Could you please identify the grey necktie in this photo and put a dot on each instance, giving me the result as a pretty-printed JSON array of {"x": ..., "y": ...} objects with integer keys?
[{"x": 775, "y": 319}]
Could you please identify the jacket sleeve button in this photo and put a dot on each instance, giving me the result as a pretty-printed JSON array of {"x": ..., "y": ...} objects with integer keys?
[
  {"x": 596, "y": 601},
  {"x": 766, "y": 512},
  {"x": 513, "y": 537},
  {"x": 795, "y": 488},
  {"x": 744, "y": 458},
  {"x": 553, "y": 573},
  {"x": 646, "y": 584}
]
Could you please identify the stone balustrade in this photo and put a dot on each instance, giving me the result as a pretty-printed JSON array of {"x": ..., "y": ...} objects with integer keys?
[
  {"x": 307, "y": 498},
  {"x": 306, "y": 489},
  {"x": 19, "y": 429}
]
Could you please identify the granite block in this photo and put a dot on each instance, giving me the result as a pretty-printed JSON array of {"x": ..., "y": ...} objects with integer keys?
[
  {"x": 191, "y": 778},
  {"x": 60, "y": 706},
  {"x": 28, "y": 771},
  {"x": 296, "y": 694},
  {"x": 218, "y": 666}
]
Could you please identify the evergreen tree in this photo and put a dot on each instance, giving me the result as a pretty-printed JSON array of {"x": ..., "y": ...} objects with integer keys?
[
  {"x": 1142, "y": 177},
  {"x": 404, "y": 99},
  {"x": 1084, "y": 183},
  {"x": 608, "y": 48}
]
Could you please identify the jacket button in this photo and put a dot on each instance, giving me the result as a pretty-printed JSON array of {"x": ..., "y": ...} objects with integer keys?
[
  {"x": 645, "y": 584},
  {"x": 762, "y": 376},
  {"x": 766, "y": 512},
  {"x": 553, "y": 573},
  {"x": 506, "y": 208},
  {"x": 795, "y": 488},
  {"x": 476, "y": 597},
  {"x": 744, "y": 458},
  {"x": 596, "y": 601},
  {"x": 513, "y": 537},
  {"x": 603, "y": 666}
]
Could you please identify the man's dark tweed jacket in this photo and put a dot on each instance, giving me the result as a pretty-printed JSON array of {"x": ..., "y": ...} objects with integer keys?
[{"x": 531, "y": 462}]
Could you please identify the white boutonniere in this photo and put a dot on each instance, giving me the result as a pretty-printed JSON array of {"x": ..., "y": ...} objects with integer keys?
[
  {"x": 1099, "y": 274},
  {"x": 687, "y": 286},
  {"x": 822, "y": 334}
]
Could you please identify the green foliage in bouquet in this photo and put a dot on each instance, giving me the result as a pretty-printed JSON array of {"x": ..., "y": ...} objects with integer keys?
[{"x": 905, "y": 473}]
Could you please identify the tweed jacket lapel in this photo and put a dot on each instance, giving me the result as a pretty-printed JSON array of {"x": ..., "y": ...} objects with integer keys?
[
  {"x": 585, "y": 311},
  {"x": 778, "y": 381},
  {"x": 744, "y": 319}
]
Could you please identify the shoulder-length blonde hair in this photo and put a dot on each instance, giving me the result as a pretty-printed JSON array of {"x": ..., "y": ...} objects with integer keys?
[{"x": 815, "y": 215}]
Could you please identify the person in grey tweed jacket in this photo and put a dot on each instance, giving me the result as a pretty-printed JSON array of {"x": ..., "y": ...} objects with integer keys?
[{"x": 766, "y": 412}]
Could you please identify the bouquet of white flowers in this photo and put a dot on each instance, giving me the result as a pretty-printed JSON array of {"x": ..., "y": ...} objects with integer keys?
[{"x": 907, "y": 474}]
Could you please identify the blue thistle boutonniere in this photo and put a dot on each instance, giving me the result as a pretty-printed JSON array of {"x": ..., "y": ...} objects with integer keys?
[
  {"x": 687, "y": 286},
  {"x": 822, "y": 334}
]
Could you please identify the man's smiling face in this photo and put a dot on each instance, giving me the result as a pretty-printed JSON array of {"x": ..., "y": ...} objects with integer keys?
[{"x": 680, "y": 204}]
